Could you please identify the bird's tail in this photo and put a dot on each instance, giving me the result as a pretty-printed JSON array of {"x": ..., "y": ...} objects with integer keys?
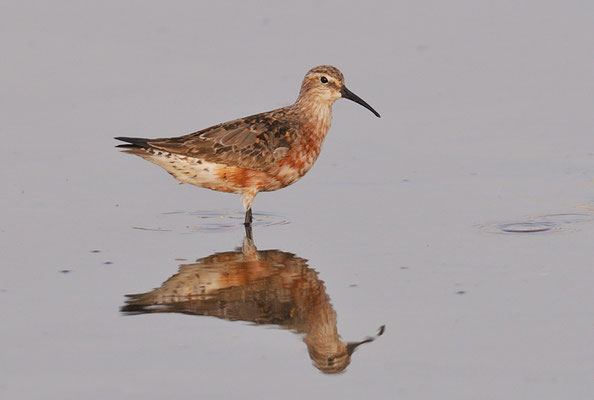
[{"x": 133, "y": 142}]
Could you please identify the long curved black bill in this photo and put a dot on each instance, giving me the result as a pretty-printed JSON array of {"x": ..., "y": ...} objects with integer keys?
[{"x": 347, "y": 94}]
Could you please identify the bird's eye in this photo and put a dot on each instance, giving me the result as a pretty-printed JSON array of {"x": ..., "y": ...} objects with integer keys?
[{"x": 323, "y": 79}]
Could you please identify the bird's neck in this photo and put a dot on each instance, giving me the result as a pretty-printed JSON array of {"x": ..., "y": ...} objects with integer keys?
[{"x": 316, "y": 116}]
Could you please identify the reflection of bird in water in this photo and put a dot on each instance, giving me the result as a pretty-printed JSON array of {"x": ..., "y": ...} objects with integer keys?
[{"x": 263, "y": 287}]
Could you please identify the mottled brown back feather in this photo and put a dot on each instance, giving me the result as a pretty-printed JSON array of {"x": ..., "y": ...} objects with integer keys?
[{"x": 253, "y": 142}]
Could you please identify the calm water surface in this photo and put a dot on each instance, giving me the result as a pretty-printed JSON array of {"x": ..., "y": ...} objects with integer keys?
[{"x": 462, "y": 220}]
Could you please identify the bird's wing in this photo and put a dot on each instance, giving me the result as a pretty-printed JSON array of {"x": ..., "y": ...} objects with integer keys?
[{"x": 254, "y": 142}]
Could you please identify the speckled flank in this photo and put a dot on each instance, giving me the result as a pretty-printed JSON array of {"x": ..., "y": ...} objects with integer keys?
[{"x": 259, "y": 153}]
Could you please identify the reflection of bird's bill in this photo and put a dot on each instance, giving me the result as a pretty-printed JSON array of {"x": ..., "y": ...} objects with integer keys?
[{"x": 352, "y": 346}]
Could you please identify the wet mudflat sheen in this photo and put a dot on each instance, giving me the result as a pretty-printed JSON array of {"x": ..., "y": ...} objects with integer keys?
[{"x": 442, "y": 251}]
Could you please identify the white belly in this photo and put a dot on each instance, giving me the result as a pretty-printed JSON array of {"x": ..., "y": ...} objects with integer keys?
[{"x": 189, "y": 169}]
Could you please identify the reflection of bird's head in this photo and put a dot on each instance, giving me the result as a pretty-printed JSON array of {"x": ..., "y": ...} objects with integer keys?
[
  {"x": 330, "y": 358},
  {"x": 334, "y": 357}
]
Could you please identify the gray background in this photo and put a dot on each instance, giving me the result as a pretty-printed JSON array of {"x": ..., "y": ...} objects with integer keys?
[{"x": 487, "y": 119}]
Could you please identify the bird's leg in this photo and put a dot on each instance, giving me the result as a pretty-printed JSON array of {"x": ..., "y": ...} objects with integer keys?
[
  {"x": 247, "y": 198},
  {"x": 248, "y": 218}
]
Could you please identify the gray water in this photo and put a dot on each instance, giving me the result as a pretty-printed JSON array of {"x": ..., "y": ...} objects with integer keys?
[{"x": 462, "y": 220}]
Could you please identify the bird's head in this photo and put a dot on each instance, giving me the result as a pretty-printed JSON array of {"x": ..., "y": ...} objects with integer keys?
[{"x": 325, "y": 84}]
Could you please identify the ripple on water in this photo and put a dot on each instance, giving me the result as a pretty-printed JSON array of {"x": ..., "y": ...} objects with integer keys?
[
  {"x": 211, "y": 221},
  {"x": 527, "y": 227},
  {"x": 540, "y": 224},
  {"x": 569, "y": 218}
]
